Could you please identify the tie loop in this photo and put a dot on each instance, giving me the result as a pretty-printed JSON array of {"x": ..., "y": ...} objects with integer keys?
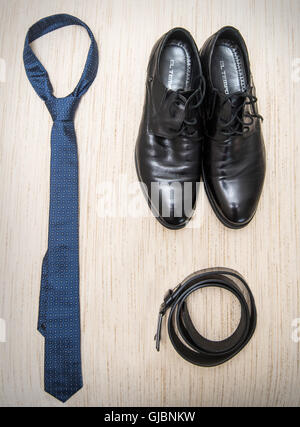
[
  {"x": 62, "y": 109},
  {"x": 36, "y": 72}
]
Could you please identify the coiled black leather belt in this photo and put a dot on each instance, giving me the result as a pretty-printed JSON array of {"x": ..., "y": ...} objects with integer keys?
[{"x": 192, "y": 346}]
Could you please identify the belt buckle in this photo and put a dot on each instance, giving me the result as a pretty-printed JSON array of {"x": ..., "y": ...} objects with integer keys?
[{"x": 168, "y": 299}]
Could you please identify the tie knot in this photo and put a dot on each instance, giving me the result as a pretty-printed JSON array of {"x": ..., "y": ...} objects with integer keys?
[{"x": 62, "y": 109}]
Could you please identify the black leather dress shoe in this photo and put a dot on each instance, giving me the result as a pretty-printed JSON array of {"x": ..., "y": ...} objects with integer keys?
[
  {"x": 168, "y": 149},
  {"x": 233, "y": 149}
]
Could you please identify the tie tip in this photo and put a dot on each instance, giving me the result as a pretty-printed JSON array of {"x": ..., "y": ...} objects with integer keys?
[{"x": 63, "y": 396}]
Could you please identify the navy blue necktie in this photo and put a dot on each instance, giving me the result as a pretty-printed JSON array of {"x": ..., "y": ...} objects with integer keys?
[{"x": 59, "y": 312}]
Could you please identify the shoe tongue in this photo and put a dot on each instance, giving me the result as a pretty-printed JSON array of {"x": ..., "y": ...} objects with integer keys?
[
  {"x": 229, "y": 108},
  {"x": 186, "y": 93},
  {"x": 236, "y": 100}
]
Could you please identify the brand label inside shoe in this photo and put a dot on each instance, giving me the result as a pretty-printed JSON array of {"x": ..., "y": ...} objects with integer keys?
[
  {"x": 224, "y": 77},
  {"x": 171, "y": 72}
]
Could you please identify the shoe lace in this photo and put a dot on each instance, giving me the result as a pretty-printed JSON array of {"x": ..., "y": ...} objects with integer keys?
[
  {"x": 189, "y": 104},
  {"x": 237, "y": 125}
]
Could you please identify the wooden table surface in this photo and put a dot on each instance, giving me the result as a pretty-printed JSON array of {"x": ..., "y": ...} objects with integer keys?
[{"x": 127, "y": 259}]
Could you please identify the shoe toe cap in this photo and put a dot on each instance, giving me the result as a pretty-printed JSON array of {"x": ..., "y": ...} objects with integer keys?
[
  {"x": 239, "y": 213},
  {"x": 174, "y": 205},
  {"x": 237, "y": 201}
]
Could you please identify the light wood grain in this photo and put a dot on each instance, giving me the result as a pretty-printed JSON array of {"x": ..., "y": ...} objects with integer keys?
[{"x": 128, "y": 263}]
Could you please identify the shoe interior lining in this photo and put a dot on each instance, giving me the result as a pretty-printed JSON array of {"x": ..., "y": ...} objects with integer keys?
[
  {"x": 177, "y": 67},
  {"x": 229, "y": 73}
]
